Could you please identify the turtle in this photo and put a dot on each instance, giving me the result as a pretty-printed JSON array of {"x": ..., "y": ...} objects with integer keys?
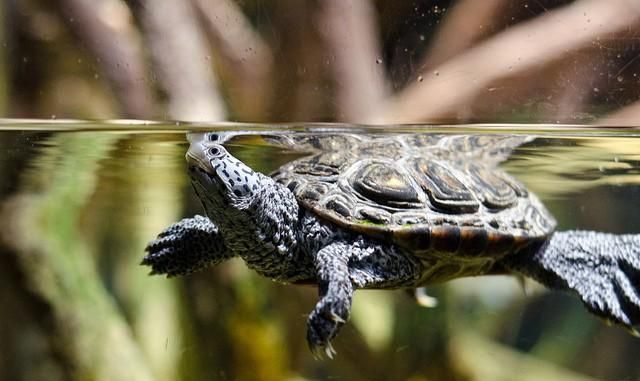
[{"x": 389, "y": 211}]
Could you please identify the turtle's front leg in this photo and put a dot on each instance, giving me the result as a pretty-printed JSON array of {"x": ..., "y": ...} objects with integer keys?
[
  {"x": 186, "y": 246},
  {"x": 336, "y": 291},
  {"x": 341, "y": 268}
]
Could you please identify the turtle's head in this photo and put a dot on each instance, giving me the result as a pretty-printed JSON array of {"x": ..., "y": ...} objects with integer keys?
[
  {"x": 218, "y": 175},
  {"x": 256, "y": 216}
]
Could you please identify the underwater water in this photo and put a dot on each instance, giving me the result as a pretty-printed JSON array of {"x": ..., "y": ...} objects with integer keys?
[{"x": 79, "y": 201}]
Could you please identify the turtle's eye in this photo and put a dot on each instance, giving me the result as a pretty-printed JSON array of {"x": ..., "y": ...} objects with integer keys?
[{"x": 215, "y": 151}]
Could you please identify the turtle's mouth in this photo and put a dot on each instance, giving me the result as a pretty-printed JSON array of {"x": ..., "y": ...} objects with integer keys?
[
  {"x": 213, "y": 166},
  {"x": 208, "y": 168},
  {"x": 197, "y": 157},
  {"x": 202, "y": 171},
  {"x": 210, "y": 190}
]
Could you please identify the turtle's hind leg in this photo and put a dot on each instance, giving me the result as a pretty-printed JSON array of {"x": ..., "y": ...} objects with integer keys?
[
  {"x": 602, "y": 269},
  {"x": 336, "y": 292}
]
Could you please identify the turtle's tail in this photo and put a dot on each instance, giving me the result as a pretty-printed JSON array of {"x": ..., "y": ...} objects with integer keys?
[{"x": 602, "y": 269}]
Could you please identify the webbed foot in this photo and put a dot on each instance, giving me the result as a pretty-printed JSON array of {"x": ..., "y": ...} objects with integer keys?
[
  {"x": 184, "y": 247},
  {"x": 614, "y": 294},
  {"x": 603, "y": 270}
]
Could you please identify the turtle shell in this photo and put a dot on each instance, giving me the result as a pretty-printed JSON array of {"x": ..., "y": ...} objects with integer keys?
[{"x": 427, "y": 193}]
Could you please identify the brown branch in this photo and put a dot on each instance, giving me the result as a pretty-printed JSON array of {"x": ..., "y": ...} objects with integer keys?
[
  {"x": 515, "y": 52},
  {"x": 349, "y": 30},
  {"x": 557, "y": 93},
  {"x": 246, "y": 60},
  {"x": 574, "y": 82},
  {"x": 300, "y": 86},
  {"x": 628, "y": 116},
  {"x": 105, "y": 28},
  {"x": 466, "y": 22},
  {"x": 179, "y": 53}
]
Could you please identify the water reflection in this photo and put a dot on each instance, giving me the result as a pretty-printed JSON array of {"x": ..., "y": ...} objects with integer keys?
[{"x": 78, "y": 209}]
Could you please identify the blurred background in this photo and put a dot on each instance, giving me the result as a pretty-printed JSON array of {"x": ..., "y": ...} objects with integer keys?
[
  {"x": 80, "y": 200},
  {"x": 356, "y": 61}
]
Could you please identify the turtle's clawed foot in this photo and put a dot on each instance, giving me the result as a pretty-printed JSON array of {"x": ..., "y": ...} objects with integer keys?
[
  {"x": 184, "y": 247},
  {"x": 319, "y": 352},
  {"x": 162, "y": 255},
  {"x": 323, "y": 325}
]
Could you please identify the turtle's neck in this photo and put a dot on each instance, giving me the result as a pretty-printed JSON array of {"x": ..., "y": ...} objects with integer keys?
[{"x": 263, "y": 231}]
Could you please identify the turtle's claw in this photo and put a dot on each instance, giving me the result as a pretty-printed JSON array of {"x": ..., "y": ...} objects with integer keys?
[
  {"x": 335, "y": 317},
  {"x": 322, "y": 326},
  {"x": 316, "y": 352},
  {"x": 319, "y": 351},
  {"x": 423, "y": 299},
  {"x": 329, "y": 351},
  {"x": 524, "y": 285}
]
